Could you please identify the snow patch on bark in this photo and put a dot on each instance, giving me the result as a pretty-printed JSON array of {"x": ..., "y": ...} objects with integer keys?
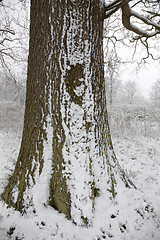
[{"x": 40, "y": 190}]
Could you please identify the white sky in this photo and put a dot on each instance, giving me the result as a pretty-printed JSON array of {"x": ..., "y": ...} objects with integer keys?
[{"x": 144, "y": 78}]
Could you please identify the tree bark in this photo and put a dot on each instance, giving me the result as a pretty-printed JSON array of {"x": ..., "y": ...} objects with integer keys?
[{"x": 66, "y": 157}]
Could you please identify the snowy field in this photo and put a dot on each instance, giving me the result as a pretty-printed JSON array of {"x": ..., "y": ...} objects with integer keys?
[{"x": 135, "y": 214}]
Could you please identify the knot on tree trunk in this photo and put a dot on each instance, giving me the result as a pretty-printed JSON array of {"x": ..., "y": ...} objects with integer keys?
[{"x": 75, "y": 83}]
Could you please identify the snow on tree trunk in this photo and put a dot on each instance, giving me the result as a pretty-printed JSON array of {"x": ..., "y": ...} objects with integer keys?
[{"x": 66, "y": 151}]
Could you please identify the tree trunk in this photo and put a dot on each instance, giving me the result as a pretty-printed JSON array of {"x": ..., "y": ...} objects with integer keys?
[{"x": 66, "y": 157}]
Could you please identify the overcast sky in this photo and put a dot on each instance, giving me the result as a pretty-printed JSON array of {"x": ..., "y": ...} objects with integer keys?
[{"x": 145, "y": 77}]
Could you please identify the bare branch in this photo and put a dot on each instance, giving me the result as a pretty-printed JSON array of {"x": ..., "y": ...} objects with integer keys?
[
  {"x": 127, "y": 12},
  {"x": 8, "y": 39},
  {"x": 153, "y": 13},
  {"x": 112, "y": 7},
  {"x": 8, "y": 31},
  {"x": 145, "y": 20}
]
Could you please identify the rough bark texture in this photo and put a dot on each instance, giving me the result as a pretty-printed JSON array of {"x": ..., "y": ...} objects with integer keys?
[{"x": 66, "y": 146}]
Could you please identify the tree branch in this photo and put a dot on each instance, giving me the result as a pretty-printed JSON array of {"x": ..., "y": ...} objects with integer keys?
[
  {"x": 145, "y": 20},
  {"x": 154, "y": 14},
  {"x": 8, "y": 31},
  {"x": 112, "y": 8},
  {"x": 127, "y": 12}
]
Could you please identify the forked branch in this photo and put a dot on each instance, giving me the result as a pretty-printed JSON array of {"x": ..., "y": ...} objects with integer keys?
[
  {"x": 127, "y": 13},
  {"x": 112, "y": 7}
]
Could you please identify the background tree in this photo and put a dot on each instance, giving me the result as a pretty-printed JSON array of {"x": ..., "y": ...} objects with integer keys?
[
  {"x": 66, "y": 148},
  {"x": 112, "y": 74},
  {"x": 14, "y": 35},
  {"x": 131, "y": 89},
  {"x": 155, "y": 94}
]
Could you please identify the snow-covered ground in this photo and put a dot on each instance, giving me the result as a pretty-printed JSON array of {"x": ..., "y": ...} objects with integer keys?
[{"x": 135, "y": 214}]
